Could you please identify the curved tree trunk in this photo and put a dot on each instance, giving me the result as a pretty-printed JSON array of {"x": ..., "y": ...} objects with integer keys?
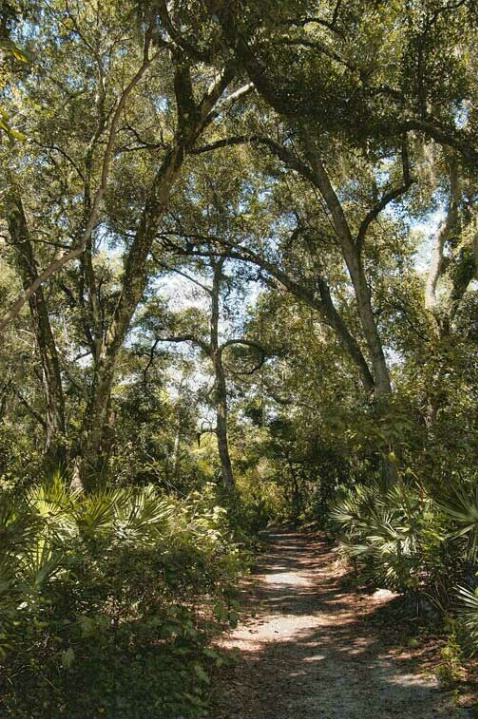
[{"x": 97, "y": 431}]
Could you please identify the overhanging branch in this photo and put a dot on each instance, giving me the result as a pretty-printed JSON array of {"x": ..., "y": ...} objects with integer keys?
[
  {"x": 386, "y": 199},
  {"x": 247, "y": 343}
]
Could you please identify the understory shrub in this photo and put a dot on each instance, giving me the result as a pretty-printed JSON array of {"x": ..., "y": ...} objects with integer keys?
[
  {"x": 415, "y": 540},
  {"x": 108, "y": 601}
]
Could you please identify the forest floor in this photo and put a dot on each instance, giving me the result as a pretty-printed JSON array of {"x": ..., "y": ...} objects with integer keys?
[{"x": 312, "y": 646}]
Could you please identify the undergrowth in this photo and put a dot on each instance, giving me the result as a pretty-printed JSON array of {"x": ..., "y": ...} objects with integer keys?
[
  {"x": 419, "y": 542},
  {"x": 109, "y": 601}
]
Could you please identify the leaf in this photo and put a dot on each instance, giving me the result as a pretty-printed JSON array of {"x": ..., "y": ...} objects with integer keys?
[
  {"x": 87, "y": 625},
  {"x": 200, "y": 673},
  {"x": 67, "y": 658},
  {"x": 233, "y": 618},
  {"x": 10, "y": 47}
]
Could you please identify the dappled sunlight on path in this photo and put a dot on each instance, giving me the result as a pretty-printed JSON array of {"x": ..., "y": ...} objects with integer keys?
[{"x": 309, "y": 652}]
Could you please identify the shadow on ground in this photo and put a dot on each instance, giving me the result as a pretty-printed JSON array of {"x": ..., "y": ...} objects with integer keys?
[{"x": 312, "y": 650}]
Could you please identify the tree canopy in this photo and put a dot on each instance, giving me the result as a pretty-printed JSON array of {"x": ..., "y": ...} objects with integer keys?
[{"x": 239, "y": 246}]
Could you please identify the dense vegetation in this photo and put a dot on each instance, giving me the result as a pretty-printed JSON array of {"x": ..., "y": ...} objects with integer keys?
[
  {"x": 238, "y": 278},
  {"x": 109, "y": 601}
]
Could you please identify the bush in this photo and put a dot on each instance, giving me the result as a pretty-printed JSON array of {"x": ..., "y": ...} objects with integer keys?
[
  {"x": 406, "y": 539},
  {"x": 468, "y": 619},
  {"x": 109, "y": 601}
]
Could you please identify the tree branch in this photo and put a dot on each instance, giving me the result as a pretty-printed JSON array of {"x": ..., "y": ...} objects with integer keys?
[
  {"x": 182, "y": 274},
  {"x": 246, "y": 343},
  {"x": 322, "y": 303},
  {"x": 176, "y": 339},
  {"x": 29, "y": 408},
  {"x": 75, "y": 252},
  {"x": 386, "y": 199},
  {"x": 444, "y": 232},
  {"x": 218, "y": 144}
]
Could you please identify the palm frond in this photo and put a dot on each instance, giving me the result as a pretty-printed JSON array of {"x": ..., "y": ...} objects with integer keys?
[
  {"x": 460, "y": 504},
  {"x": 38, "y": 565},
  {"x": 469, "y": 616}
]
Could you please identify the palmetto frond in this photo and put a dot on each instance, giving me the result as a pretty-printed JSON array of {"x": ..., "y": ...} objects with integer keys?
[
  {"x": 18, "y": 524},
  {"x": 54, "y": 503},
  {"x": 142, "y": 516},
  {"x": 387, "y": 531},
  {"x": 37, "y": 565},
  {"x": 469, "y": 616},
  {"x": 95, "y": 514},
  {"x": 460, "y": 504},
  {"x": 137, "y": 515}
]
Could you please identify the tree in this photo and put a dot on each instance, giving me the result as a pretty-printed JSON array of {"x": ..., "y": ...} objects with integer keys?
[
  {"x": 204, "y": 330},
  {"x": 105, "y": 100},
  {"x": 315, "y": 65},
  {"x": 404, "y": 66},
  {"x": 125, "y": 109},
  {"x": 14, "y": 62}
]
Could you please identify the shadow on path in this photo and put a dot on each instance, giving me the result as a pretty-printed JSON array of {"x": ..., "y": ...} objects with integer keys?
[{"x": 311, "y": 652}]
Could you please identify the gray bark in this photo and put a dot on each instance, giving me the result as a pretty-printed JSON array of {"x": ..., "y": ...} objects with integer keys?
[
  {"x": 318, "y": 298},
  {"x": 220, "y": 389},
  {"x": 54, "y": 422},
  {"x": 351, "y": 253},
  {"x": 97, "y": 432}
]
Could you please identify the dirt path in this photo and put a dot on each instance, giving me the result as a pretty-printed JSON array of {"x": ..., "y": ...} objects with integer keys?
[{"x": 314, "y": 651}]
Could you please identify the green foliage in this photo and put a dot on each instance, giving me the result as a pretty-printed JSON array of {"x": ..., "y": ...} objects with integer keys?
[
  {"x": 396, "y": 534},
  {"x": 459, "y": 502},
  {"x": 256, "y": 503},
  {"x": 450, "y": 669},
  {"x": 109, "y": 601},
  {"x": 413, "y": 542},
  {"x": 404, "y": 539},
  {"x": 101, "y": 593},
  {"x": 468, "y": 618}
]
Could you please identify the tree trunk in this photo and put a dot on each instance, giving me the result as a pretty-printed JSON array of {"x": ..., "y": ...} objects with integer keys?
[
  {"x": 351, "y": 253},
  {"x": 54, "y": 424},
  {"x": 322, "y": 303},
  {"x": 220, "y": 390},
  {"x": 96, "y": 437},
  {"x": 97, "y": 434},
  {"x": 221, "y": 429}
]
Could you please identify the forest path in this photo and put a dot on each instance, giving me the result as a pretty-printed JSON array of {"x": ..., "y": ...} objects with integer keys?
[{"x": 314, "y": 649}]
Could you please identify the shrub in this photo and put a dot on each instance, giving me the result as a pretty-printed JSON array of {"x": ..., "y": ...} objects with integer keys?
[
  {"x": 386, "y": 531},
  {"x": 403, "y": 539},
  {"x": 413, "y": 540},
  {"x": 110, "y": 601}
]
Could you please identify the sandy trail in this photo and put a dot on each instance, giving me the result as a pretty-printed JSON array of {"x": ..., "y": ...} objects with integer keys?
[{"x": 311, "y": 651}]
